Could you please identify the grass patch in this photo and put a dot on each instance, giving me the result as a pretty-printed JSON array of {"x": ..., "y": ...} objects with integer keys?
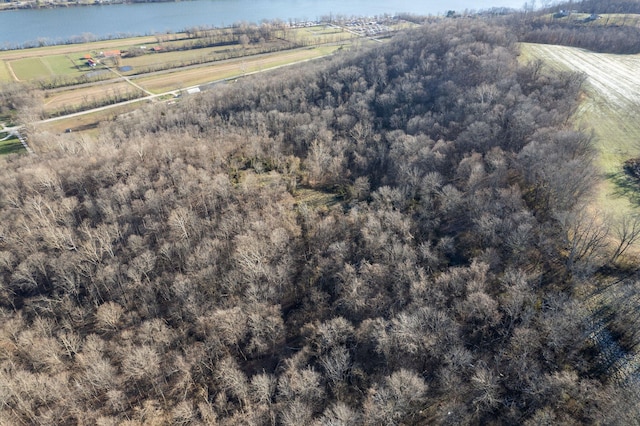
[
  {"x": 11, "y": 146},
  {"x": 315, "y": 198},
  {"x": 88, "y": 96},
  {"x": 62, "y": 64},
  {"x": 603, "y": 19},
  {"x": 5, "y": 75},
  {"x": 30, "y": 69},
  {"x": 619, "y": 19}
]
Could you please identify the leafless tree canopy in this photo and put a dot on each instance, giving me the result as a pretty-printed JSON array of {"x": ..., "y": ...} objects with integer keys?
[{"x": 386, "y": 237}]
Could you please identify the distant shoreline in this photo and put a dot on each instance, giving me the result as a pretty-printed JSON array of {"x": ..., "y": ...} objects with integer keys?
[{"x": 50, "y": 4}]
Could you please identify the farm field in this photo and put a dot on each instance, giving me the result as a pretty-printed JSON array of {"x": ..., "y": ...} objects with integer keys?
[
  {"x": 67, "y": 49},
  {"x": 45, "y": 67},
  {"x": 59, "y": 65},
  {"x": 176, "y": 58},
  {"x": 236, "y": 67},
  {"x": 610, "y": 108},
  {"x": 170, "y": 81},
  {"x": 29, "y": 69},
  {"x": 88, "y": 95},
  {"x": 52, "y": 61},
  {"x": 620, "y": 19},
  {"x": 87, "y": 123}
]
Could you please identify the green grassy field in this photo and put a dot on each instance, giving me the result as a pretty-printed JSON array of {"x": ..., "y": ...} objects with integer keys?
[
  {"x": 62, "y": 64},
  {"x": 78, "y": 49},
  {"x": 5, "y": 75},
  {"x": 30, "y": 69},
  {"x": 11, "y": 146}
]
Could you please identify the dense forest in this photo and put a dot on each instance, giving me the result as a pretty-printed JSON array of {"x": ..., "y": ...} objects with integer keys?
[{"x": 394, "y": 236}]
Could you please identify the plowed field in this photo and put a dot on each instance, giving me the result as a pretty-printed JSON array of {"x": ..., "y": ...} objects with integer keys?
[{"x": 611, "y": 108}]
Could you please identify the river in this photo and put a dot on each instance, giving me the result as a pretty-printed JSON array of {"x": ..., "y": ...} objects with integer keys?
[{"x": 29, "y": 27}]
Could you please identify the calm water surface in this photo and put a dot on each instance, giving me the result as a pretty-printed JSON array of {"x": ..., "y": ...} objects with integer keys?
[{"x": 18, "y": 27}]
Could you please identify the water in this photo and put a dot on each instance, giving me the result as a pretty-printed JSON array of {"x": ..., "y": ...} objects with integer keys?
[{"x": 29, "y": 27}]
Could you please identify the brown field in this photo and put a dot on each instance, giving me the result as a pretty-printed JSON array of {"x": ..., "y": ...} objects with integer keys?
[
  {"x": 87, "y": 123},
  {"x": 179, "y": 58},
  {"x": 75, "y": 97},
  {"x": 610, "y": 108},
  {"x": 227, "y": 69}
]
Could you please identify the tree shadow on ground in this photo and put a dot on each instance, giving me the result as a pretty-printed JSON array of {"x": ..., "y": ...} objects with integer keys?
[{"x": 625, "y": 186}]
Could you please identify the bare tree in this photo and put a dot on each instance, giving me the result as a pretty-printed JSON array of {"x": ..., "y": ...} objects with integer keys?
[
  {"x": 626, "y": 230},
  {"x": 585, "y": 235}
]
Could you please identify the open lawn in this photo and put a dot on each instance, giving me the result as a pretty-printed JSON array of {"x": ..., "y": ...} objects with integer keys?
[
  {"x": 610, "y": 107},
  {"x": 63, "y": 64},
  {"x": 30, "y": 69}
]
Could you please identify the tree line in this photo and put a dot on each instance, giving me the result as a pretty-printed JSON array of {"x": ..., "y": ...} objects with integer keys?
[
  {"x": 617, "y": 36},
  {"x": 175, "y": 269}
]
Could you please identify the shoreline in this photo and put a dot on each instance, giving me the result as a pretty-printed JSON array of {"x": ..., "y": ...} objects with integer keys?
[{"x": 50, "y": 4}]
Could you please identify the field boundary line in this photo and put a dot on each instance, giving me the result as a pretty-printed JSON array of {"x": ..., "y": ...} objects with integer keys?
[{"x": 13, "y": 74}]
